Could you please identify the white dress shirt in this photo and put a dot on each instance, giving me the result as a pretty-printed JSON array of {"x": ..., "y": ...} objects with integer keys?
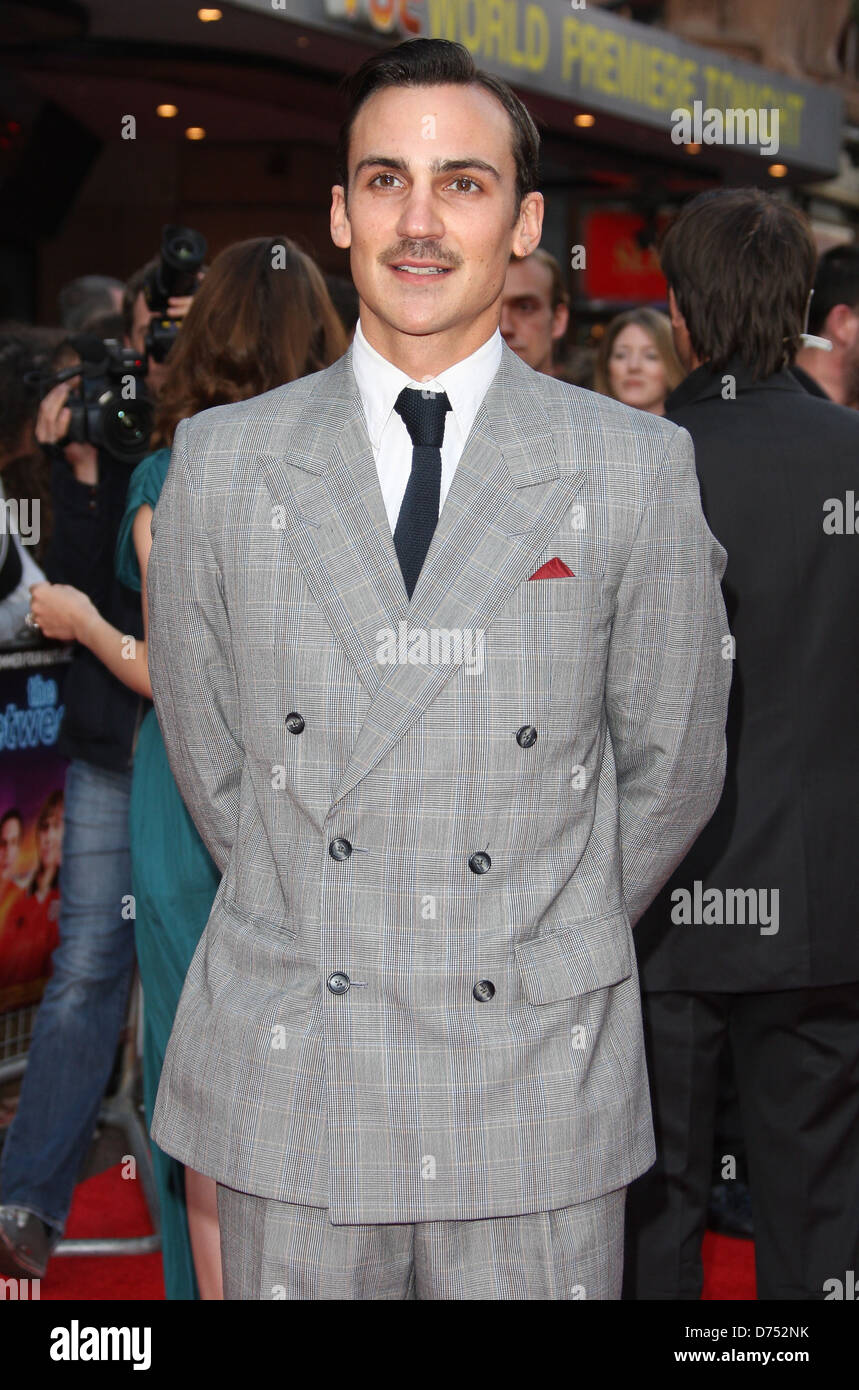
[{"x": 380, "y": 383}]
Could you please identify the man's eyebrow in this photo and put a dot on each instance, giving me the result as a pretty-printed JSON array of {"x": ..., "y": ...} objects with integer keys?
[{"x": 438, "y": 166}]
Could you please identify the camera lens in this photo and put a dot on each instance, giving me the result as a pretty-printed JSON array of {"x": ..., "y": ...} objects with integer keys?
[{"x": 126, "y": 427}]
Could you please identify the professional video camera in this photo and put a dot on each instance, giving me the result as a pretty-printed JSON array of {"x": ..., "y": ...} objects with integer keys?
[
  {"x": 182, "y": 254},
  {"x": 110, "y": 408}
]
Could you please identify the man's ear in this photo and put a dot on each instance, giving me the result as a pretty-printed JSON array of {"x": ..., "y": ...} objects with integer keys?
[
  {"x": 677, "y": 319},
  {"x": 341, "y": 230},
  {"x": 842, "y": 326},
  {"x": 529, "y": 225}
]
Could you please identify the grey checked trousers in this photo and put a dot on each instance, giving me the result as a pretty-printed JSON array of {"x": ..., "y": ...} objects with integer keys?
[{"x": 278, "y": 1250}]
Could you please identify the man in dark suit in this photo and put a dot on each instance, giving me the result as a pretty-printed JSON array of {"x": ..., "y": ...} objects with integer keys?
[
  {"x": 754, "y": 939},
  {"x": 833, "y": 315}
]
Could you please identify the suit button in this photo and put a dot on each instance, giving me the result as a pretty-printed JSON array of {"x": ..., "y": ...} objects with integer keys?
[
  {"x": 483, "y": 991},
  {"x": 340, "y": 848},
  {"x": 338, "y": 983},
  {"x": 295, "y": 723},
  {"x": 526, "y": 737},
  {"x": 480, "y": 863}
]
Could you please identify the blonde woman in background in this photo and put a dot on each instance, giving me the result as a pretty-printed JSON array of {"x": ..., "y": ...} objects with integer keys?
[{"x": 636, "y": 362}]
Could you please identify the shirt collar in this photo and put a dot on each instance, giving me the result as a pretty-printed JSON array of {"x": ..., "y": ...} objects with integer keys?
[{"x": 380, "y": 382}]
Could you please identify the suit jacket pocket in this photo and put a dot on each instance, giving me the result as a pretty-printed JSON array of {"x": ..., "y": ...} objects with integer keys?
[
  {"x": 583, "y": 591},
  {"x": 576, "y": 959}
]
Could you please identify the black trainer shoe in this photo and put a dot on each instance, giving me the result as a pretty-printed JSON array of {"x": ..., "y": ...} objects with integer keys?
[{"x": 26, "y": 1243}]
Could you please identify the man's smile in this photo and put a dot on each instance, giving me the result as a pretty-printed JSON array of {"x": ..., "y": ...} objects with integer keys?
[{"x": 423, "y": 270}]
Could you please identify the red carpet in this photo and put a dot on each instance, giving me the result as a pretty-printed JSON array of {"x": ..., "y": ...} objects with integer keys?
[
  {"x": 729, "y": 1268},
  {"x": 108, "y": 1205}
]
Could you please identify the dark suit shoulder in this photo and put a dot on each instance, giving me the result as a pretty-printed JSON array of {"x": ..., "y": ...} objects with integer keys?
[{"x": 794, "y": 415}]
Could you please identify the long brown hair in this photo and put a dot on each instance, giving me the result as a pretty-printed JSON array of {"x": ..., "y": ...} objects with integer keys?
[
  {"x": 261, "y": 317},
  {"x": 658, "y": 329}
]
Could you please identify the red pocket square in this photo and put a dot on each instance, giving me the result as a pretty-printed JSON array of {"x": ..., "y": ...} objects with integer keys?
[{"x": 553, "y": 569}]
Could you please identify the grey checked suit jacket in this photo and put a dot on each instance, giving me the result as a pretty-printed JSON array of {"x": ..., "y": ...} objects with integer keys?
[{"x": 274, "y": 589}]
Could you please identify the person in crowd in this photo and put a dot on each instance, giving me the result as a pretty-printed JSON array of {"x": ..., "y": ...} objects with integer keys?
[
  {"x": 753, "y": 941},
  {"x": 535, "y": 312},
  {"x": 261, "y": 317},
  {"x": 380, "y": 1051},
  {"x": 30, "y": 936},
  {"x": 72, "y": 1051},
  {"x": 834, "y": 315},
  {"x": 636, "y": 362},
  {"x": 25, "y": 353},
  {"x": 137, "y": 316},
  {"x": 86, "y": 298}
]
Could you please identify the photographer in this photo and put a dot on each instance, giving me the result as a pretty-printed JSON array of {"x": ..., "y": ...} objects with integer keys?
[
  {"x": 77, "y": 1029},
  {"x": 158, "y": 296}
]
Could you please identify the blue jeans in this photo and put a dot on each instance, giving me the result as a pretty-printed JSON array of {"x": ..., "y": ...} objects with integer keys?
[{"x": 84, "y": 1005}]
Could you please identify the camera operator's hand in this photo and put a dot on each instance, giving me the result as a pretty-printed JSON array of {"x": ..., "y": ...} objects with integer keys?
[
  {"x": 52, "y": 425},
  {"x": 178, "y": 305},
  {"x": 61, "y": 611}
]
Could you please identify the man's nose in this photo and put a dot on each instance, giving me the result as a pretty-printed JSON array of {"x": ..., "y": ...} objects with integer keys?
[{"x": 419, "y": 217}]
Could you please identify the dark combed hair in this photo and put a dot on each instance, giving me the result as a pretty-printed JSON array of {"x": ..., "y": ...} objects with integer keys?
[
  {"x": 432, "y": 63},
  {"x": 741, "y": 264},
  {"x": 836, "y": 282}
]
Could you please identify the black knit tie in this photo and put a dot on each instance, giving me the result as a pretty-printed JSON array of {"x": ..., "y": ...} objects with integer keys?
[{"x": 423, "y": 413}]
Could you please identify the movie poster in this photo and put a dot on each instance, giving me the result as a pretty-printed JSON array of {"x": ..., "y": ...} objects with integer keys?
[{"x": 32, "y": 776}]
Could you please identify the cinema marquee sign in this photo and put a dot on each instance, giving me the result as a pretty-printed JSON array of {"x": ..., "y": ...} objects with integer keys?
[{"x": 595, "y": 61}]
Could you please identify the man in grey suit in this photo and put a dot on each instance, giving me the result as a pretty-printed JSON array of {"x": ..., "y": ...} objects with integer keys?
[{"x": 436, "y": 646}]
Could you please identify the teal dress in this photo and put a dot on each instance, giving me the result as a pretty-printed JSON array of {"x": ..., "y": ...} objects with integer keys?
[{"x": 174, "y": 881}]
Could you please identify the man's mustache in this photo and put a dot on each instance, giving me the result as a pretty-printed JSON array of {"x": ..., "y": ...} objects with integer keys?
[{"x": 419, "y": 251}]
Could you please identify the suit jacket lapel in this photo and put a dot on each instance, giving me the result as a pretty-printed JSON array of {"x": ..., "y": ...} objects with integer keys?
[
  {"x": 507, "y": 498},
  {"x": 327, "y": 485}
]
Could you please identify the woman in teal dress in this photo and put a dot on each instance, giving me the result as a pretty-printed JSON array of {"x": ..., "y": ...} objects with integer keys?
[
  {"x": 261, "y": 317},
  {"x": 174, "y": 881}
]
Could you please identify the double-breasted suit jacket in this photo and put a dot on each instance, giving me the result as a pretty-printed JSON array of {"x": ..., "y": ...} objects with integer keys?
[{"x": 416, "y": 997}]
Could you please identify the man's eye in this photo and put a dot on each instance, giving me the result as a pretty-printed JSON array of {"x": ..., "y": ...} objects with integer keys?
[
  {"x": 384, "y": 176},
  {"x": 466, "y": 178}
]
